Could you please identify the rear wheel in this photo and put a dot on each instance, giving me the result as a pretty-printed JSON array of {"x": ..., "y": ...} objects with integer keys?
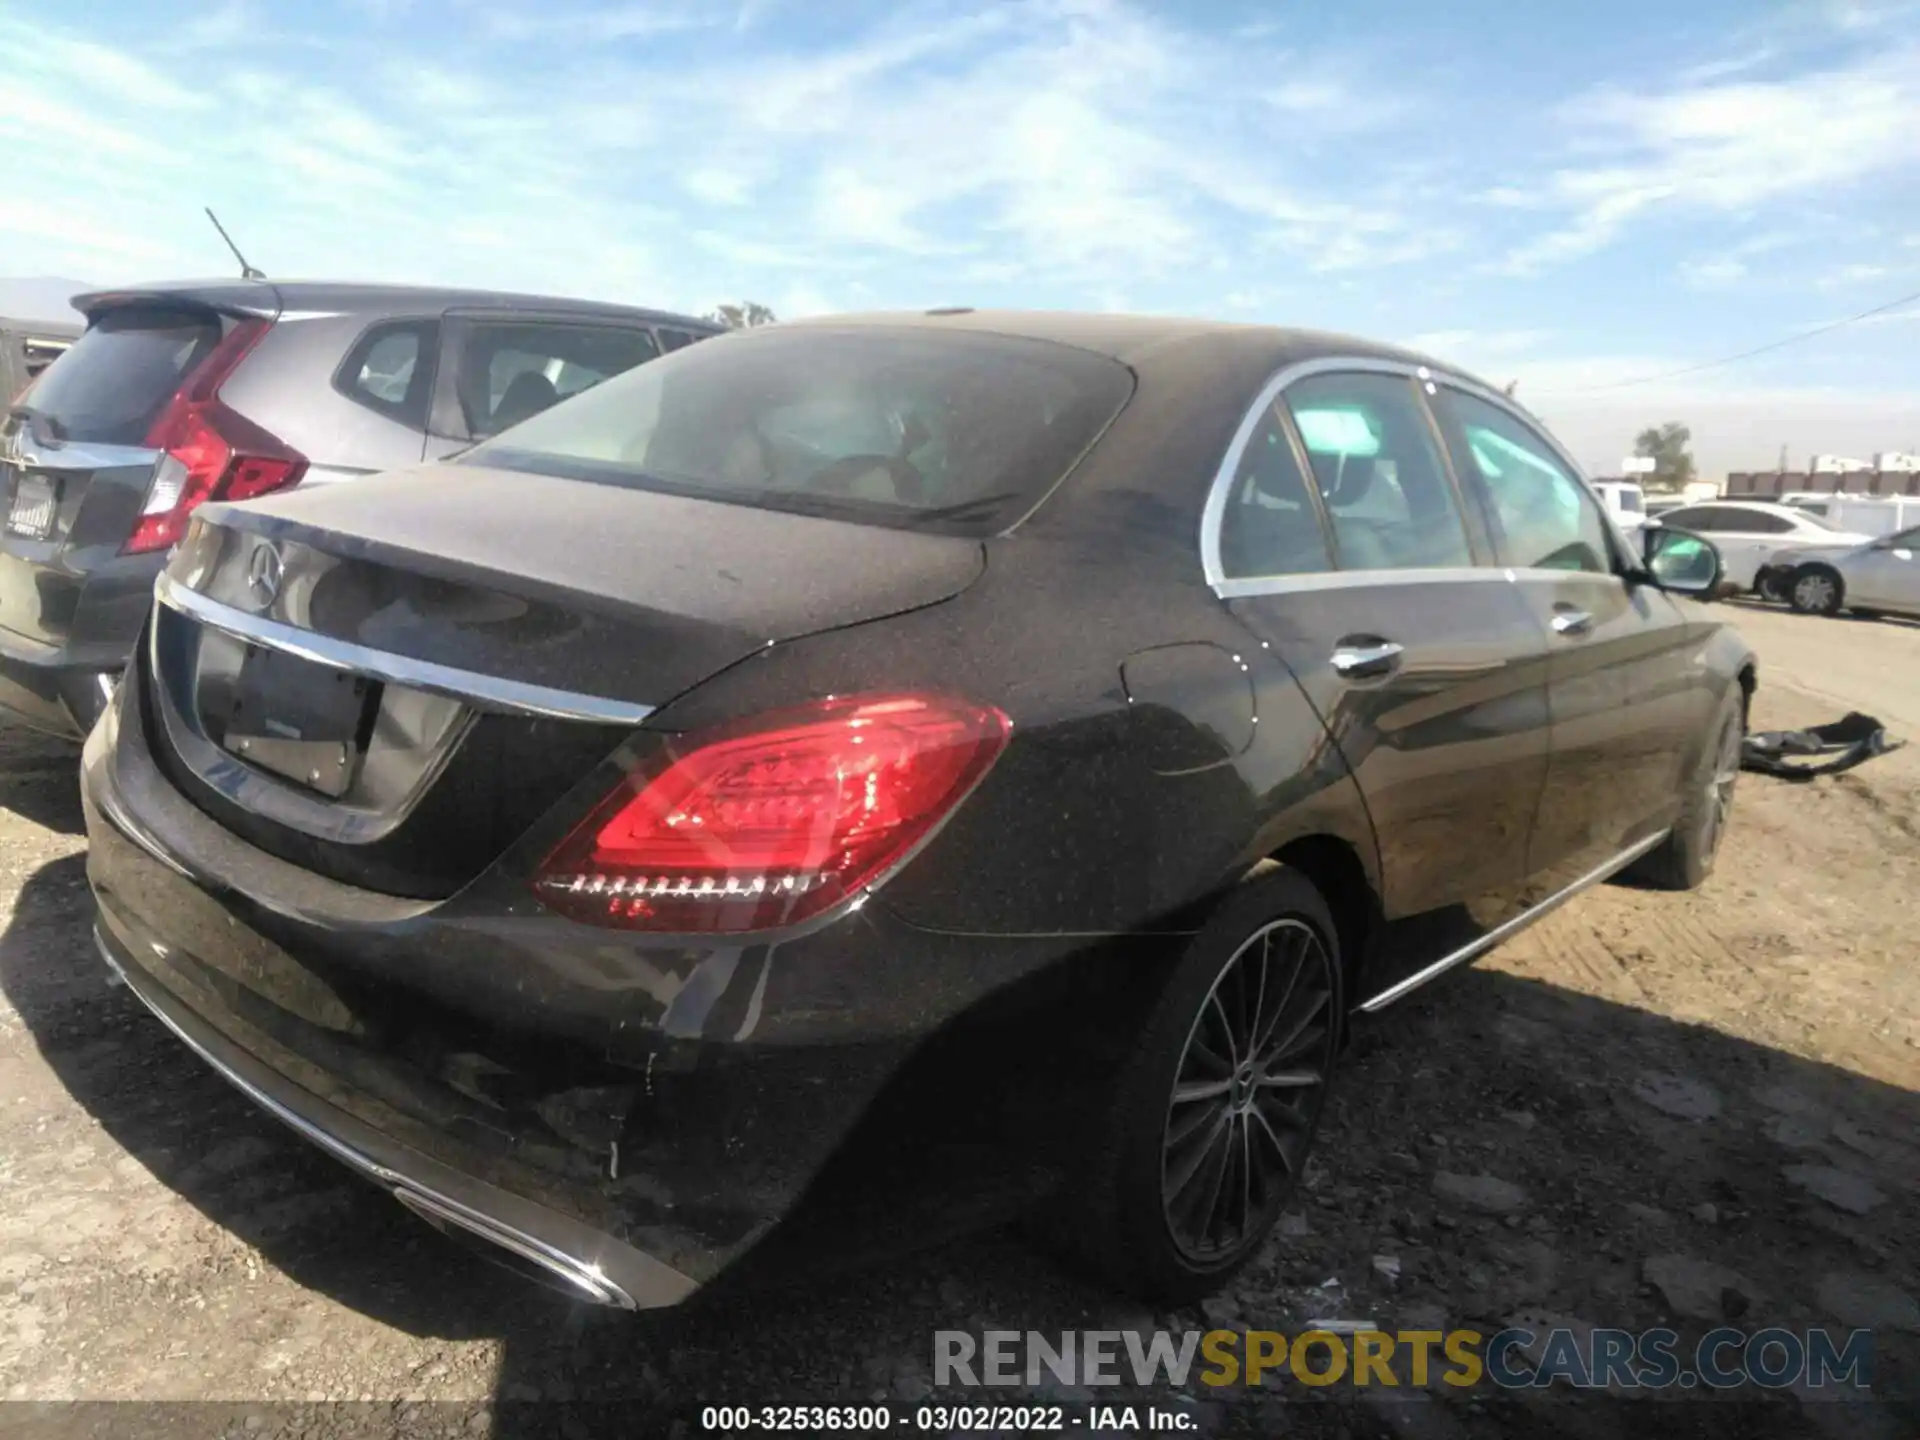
[
  {"x": 1685, "y": 858},
  {"x": 1216, "y": 1107},
  {"x": 1815, "y": 590}
]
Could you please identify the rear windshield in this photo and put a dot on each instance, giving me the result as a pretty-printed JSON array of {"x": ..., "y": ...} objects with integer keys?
[
  {"x": 112, "y": 385},
  {"x": 958, "y": 432}
]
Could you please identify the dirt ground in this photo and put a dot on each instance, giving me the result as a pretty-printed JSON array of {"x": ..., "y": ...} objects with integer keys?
[{"x": 1704, "y": 1106}]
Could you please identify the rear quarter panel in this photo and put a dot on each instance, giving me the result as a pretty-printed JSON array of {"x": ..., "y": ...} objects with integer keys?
[
  {"x": 1083, "y": 827},
  {"x": 286, "y": 386}
]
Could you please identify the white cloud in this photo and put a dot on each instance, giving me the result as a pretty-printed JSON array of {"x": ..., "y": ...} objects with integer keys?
[
  {"x": 1843, "y": 276},
  {"x": 1727, "y": 146},
  {"x": 1714, "y": 274}
]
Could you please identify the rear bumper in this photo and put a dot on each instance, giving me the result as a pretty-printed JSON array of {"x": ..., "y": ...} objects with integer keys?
[
  {"x": 628, "y": 1118},
  {"x": 66, "y": 635},
  {"x": 45, "y": 688},
  {"x": 585, "y": 1262}
]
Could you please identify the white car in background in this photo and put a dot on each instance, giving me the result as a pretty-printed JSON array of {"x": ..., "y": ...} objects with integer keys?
[
  {"x": 1753, "y": 537},
  {"x": 1881, "y": 575},
  {"x": 1626, "y": 502}
]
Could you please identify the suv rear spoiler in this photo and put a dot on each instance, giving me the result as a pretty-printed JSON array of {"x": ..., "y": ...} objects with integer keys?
[{"x": 240, "y": 299}]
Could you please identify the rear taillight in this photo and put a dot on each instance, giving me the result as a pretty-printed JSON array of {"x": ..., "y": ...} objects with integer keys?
[
  {"x": 209, "y": 452},
  {"x": 776, "y": 821}
]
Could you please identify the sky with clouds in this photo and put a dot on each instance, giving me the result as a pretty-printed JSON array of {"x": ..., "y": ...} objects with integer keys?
[{"x": 1570, "y": 196}]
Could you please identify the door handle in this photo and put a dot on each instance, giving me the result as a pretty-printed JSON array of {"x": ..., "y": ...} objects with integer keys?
[
  {"x": 1571, "y": 622},
  {"x": 1366, "y": 659}
]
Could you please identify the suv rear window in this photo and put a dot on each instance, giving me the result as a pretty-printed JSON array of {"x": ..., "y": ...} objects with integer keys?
[
  {"x": 958, "y": 432},
  {"x": 112, "y": 385}
]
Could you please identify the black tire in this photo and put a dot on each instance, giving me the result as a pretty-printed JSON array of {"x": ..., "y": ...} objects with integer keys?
[
  {"x": 1253, "y": 1137},
  {"x": 1685, "y": 858},
  {"x": 1816, "y": 590},
  {"x": 1772, "y": 587}
]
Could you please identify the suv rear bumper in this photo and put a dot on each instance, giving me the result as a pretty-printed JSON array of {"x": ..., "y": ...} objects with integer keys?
[
  {"x": 45, "y": 688},
  {"x": 59, "y": 664}
]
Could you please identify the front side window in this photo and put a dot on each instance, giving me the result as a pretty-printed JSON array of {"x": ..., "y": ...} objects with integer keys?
[
  {"x": 1379, "y": 473},
  {"x": 953, "y": 431},
  {"x": 1269, "y": 526},
  {"x": 1544, "y": 515}
]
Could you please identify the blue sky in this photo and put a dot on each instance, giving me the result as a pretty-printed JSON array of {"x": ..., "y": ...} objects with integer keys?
[{"x": 1567, "y": 195}]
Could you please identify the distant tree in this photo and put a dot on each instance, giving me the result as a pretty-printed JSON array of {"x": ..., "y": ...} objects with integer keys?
[
  {"x": 742, "y": 316},
  {"x": 1666, "y": 445},
  {"x": 1512, "y": 385}
]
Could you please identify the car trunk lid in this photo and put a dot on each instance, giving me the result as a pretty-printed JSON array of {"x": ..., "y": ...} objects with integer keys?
[{"x": 390, "y": 686}]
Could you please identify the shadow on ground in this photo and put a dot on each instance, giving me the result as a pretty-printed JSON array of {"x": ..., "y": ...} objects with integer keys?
[
  {"x": 39, "y": 779},
  {"x": 1619, "y": 1128}
]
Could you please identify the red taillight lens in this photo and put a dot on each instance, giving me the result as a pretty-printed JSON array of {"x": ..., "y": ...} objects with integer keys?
[
  {"x": 209, "y": 452},
  {"x": 773, "y": 823}
]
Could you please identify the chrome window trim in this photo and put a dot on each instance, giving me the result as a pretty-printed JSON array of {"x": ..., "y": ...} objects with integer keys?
[
  {"x": 1353, "y": 579},
  {"x": 484, "y": 692},
  {"x": 1213, "y": 513}
]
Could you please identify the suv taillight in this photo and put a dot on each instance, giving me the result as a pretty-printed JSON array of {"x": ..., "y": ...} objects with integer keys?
[
  {"x": 209, "y": 452},
  {"x": 773, "y": 821}
]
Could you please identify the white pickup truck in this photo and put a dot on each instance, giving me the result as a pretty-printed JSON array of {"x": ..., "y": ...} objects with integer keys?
[{"x": 1625, "y": 501}]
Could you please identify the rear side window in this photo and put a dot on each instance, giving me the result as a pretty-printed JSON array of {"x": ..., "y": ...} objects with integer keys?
[
  {"x": 1632, "y": 503},
  {"x": 675, "y": 339},
  {"x": 1269, "y": 526},
  {"x": 511, "y": 371},
  {"x": 1379, "y": 472},
  {"x": 956, "y": 431},
  {"x": 1547, "y": 520},
  {"x": 1707, "y": 519},
  {"x": 1761, "y": 523},
  {"x": 390, "y": 369},
  {"x": 111, "y": 386}
]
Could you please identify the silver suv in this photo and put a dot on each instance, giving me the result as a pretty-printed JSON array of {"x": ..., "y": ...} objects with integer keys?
[{"x": 179, "y": 394}]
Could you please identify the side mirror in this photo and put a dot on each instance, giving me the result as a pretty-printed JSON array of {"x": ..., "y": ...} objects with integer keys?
[{"x": 1680, "y": 561}]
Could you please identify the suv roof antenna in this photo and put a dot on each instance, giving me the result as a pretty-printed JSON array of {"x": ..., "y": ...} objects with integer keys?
[{"x": 247, "y": 272}]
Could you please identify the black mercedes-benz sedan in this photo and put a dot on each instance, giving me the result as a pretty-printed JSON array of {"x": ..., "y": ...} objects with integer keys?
[{"x": 853, "y": 779}]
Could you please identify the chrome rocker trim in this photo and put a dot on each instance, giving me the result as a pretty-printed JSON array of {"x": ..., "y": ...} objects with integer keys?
[{"x": 1519, "y": 922}]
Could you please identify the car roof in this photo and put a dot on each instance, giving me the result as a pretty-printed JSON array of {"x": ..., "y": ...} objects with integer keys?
[
  {"x": 1765, "y": 507},
  {"x": 268, "y": 296},
  {"x": 1161, "y": 349}
]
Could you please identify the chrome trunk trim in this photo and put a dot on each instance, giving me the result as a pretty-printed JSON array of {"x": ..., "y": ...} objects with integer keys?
[{"x": 483, "y": 692}]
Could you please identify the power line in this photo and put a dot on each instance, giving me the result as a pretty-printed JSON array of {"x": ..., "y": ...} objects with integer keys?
[{"x": 1749, "y": 354}]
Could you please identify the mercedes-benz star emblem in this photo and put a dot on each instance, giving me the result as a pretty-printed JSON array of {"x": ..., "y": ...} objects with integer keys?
[{"x": 264, "y": 570}]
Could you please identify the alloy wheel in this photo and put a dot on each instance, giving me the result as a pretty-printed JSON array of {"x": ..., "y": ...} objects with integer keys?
[
  {"x": 1247, "y": 1091},
  {"x": 1720, "y": 781}
]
